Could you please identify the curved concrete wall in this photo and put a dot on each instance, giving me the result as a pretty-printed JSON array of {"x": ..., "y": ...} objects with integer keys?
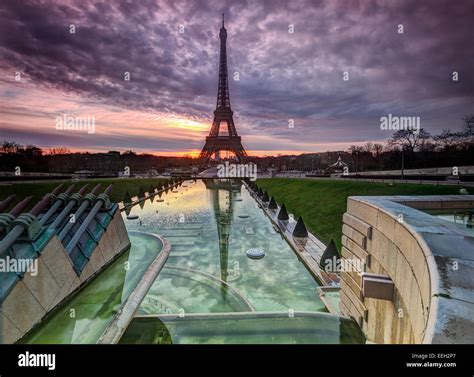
[{"x": 434, "y": 283}]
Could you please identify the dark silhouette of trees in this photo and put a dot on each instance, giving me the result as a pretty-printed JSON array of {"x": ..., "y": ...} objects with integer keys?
[
  {"x": 417, "y": 150},
  {"x": 409, "y": 140},
  {"x": 448, "y": 140}
]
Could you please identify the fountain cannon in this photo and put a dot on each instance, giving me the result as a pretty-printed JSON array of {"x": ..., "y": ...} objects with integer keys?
[
  {"x": 60, "y": 200},
  {"x": 7, "y": 218},
  {"x": 101, "y": 201},
  {"x": 73, "y": 200},
  {"x": 28, "y": 221},
  {"x": 86, "y": 201},
  {"x": 4, "y": 204}
]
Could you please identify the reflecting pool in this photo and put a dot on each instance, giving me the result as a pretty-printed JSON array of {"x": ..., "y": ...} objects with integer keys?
[
  {"x": 210, "y": 226},
  {"x": 463, "y": 218},
  {"x": 210, "y": 291}
]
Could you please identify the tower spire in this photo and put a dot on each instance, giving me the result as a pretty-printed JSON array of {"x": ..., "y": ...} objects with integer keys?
[{"x": 223, "y": 99}]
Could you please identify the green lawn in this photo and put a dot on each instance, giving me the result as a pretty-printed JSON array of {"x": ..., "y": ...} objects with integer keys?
[
  {"x": 38, "y": 190},
  {"x": 322, "y": 203}
]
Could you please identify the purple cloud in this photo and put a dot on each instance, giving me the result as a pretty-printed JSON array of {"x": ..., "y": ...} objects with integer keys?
[{"x": 283, "y": 75}]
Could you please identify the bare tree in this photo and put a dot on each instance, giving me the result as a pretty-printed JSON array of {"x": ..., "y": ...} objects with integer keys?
[
  {"x": 468, "y": 128},
  {"x": 368, "y": 147},
  {"x": 409, "y": 140},
  {"x": 377, "y": 150},
  {"x": 353, "y": 149},
  {"x": 447, "y": 140},
  {"x": 58, "y": 151},
  {"x": 10, "y": 146},
  {"x": 32, "y": 151}
]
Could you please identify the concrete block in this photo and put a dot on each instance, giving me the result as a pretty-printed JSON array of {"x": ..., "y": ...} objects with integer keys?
[
  {"x": 404, "y": 280},
  {"x": 355, "y": 236},
  {"x": 416, "y": 315},
  {"x": 362, "y": 211},
  {"x": 86, "y": 273},
  {"x": 43, "y": 286},
  {"x": 55, "y": 257},
  {"x": 354, "y": 297},
  {"x": 353, "y": 285},
  {"x": 376, "y": 268},
  {"x": 386, "y": 225},
  {"x": 106, "y": 247},
  {"x": 355, "y": 249},
  {"x": 347, "y": 231},
  {"x": 403, "y": 239},
  {"x": 359, "y": 225},
  {"x": 22, "y": 308},
  {"x": 65, "y": 290},
  {"x": 379, "y": 287},
  {"x": 390, "y": 264},
  {"x": 96, "y": 260},
  {"x": 9, "y": 332}
]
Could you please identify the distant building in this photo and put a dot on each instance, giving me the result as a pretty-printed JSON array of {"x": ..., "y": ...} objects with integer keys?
[
  {"x": 83, "y": 173},
  {"x": 176, "y": 172},
  {"x": 337, "y": 167}
]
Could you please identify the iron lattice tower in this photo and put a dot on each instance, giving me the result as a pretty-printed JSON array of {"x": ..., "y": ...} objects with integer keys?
[{"x": 223, "y": 113}]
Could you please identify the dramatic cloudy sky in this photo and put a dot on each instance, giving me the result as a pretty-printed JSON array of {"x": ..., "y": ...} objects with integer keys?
[{"x": 166, "y": 107}]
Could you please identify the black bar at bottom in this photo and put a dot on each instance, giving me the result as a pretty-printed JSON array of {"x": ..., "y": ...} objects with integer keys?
[{"x": 232, "y": 360}]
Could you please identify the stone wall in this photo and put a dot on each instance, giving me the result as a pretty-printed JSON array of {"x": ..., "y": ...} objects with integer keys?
[
  {"x": 35, "y": 296},
  {"x": 396, "y": 240},
  {"x": 426, "y": 171}
]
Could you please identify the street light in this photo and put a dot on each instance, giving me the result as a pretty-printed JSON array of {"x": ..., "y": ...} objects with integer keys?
[{"x": 403, "y": 161}]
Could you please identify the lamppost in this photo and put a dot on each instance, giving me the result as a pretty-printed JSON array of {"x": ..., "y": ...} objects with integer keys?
[
  {"x": 403, "y": 161},
  {"x": 357, "y": 162}
]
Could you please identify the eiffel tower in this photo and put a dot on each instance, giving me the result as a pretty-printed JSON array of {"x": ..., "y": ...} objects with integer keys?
[{"x": 223, "y": 113}]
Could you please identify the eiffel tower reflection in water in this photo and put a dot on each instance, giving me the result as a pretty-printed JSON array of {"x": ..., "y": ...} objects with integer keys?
[{"x": 222, "y": 198}]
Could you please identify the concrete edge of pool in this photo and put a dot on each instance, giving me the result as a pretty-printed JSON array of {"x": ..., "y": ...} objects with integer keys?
[
  {"x": 122, "y": 319},
  {"x": 429, "y": 260},
  {"x": 276, "y": 327}
]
